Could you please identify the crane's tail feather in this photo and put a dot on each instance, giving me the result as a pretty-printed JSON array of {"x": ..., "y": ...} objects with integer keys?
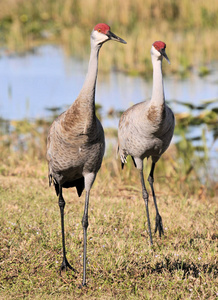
[
  {"x": 123, "y": 156},
  {"x": 133, "y": 159},
  {"x": 56, "y": 188},
  {"x": 80, "y": 186},
  {"x": 78, "y": 183},
  {"x": 50, "y": 180}
]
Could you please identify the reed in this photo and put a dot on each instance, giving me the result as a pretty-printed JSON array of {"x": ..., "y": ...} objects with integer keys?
[{"x": 188, "y": 28}]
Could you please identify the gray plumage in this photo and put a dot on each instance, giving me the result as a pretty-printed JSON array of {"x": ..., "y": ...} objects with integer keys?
[
  {"x": 146, "y": 130},
  {"x": 76, "y": 143}
]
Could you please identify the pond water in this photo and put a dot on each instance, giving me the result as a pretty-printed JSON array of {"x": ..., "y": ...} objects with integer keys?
[{"x": 47, "y": 78}]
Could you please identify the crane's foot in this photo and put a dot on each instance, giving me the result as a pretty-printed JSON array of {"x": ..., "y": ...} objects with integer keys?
[
  {"x": 84, "y": 284},
  {"x": 159, "y": 225},
  {"x": 65, "y": 265}
]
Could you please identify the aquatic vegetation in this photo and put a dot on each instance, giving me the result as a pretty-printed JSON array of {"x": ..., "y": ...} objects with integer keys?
[
  {"x": 203, "y": 71},
  {"x": 187, "y": 162}
]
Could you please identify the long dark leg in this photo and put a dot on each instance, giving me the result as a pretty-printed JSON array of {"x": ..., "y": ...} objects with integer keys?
[
  {"x": 85, "y": 224},
  {"x": 145, "y": 197},
  {"x": 65, "y": 264},
  {"x": 158, "y": 225}
]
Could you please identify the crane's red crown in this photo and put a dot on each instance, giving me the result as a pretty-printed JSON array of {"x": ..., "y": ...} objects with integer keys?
[
  {"x": 158, "y": 45},
  {"x": 102, "y": 27}
]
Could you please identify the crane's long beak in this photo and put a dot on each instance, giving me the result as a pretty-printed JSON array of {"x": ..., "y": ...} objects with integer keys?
[
  {"x": 114, "y": 37},
  {"x": 164, "y": 55}
]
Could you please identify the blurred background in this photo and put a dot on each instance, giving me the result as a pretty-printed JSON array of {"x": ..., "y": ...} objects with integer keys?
[{"x": 44, "y": 53}]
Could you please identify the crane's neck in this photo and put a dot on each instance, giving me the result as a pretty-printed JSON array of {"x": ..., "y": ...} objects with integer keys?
[
  {"x": 158, "y": 97},
  {"x": 87, "y": 93},
  {"x": 83, "y": 108}
]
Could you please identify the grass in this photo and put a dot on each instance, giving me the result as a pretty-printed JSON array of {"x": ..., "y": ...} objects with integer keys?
[
  {"x": 121, "y": 264},
  {"x": 187, "y": 27}
]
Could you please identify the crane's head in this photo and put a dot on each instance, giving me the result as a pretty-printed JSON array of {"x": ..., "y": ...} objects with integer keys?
[
  {"x": 101, "y": 33},
  {"x": 158, "y": 49}
]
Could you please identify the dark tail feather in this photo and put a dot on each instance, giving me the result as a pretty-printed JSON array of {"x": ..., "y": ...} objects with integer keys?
[
  {"x": 78, "y": 183},
  {"x": 80, "y": 186},
  {"x": 133, "y": 161},
  {"x": 122, "y": 165},
  {"x": 57, "y": 188}
]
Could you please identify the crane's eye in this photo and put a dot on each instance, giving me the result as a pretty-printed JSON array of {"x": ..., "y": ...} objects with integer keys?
[{"x": 99, "y": 29}]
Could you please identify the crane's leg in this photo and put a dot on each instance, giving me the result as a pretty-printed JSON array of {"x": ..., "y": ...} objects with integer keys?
[
  {"x": 158, "y": 225},
  {"x": 65, "y": 264},
  {"x": 85, "y": 224},
  {"x": 145, "y": 197}
]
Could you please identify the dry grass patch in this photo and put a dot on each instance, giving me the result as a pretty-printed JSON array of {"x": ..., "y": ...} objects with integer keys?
[{"x": 121, "y": 264}]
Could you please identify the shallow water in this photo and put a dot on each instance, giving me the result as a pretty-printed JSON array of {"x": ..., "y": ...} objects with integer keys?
[{"x": 47, "y": 78}]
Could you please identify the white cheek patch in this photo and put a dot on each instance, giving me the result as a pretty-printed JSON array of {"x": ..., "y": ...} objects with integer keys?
[{"x": 100, "y": 37}]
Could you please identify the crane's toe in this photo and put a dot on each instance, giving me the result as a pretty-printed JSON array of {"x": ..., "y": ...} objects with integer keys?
[
  {"x": 65, "y": 265},
  {"x": 159, "y": 225}
]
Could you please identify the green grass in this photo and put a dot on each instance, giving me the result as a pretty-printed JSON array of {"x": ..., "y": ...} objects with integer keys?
[{"x": 121, "y": 264}]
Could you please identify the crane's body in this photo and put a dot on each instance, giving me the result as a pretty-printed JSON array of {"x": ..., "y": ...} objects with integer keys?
[
  {"x": 75, "y": 144},
  {"x": 75, "y": 148},
  {"x": 146, "y": 129}
]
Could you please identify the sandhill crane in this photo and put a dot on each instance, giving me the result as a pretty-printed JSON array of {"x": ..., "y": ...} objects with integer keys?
[
  {"x": 76, "y": 144},
  {"x": 146, "y": 129}
]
